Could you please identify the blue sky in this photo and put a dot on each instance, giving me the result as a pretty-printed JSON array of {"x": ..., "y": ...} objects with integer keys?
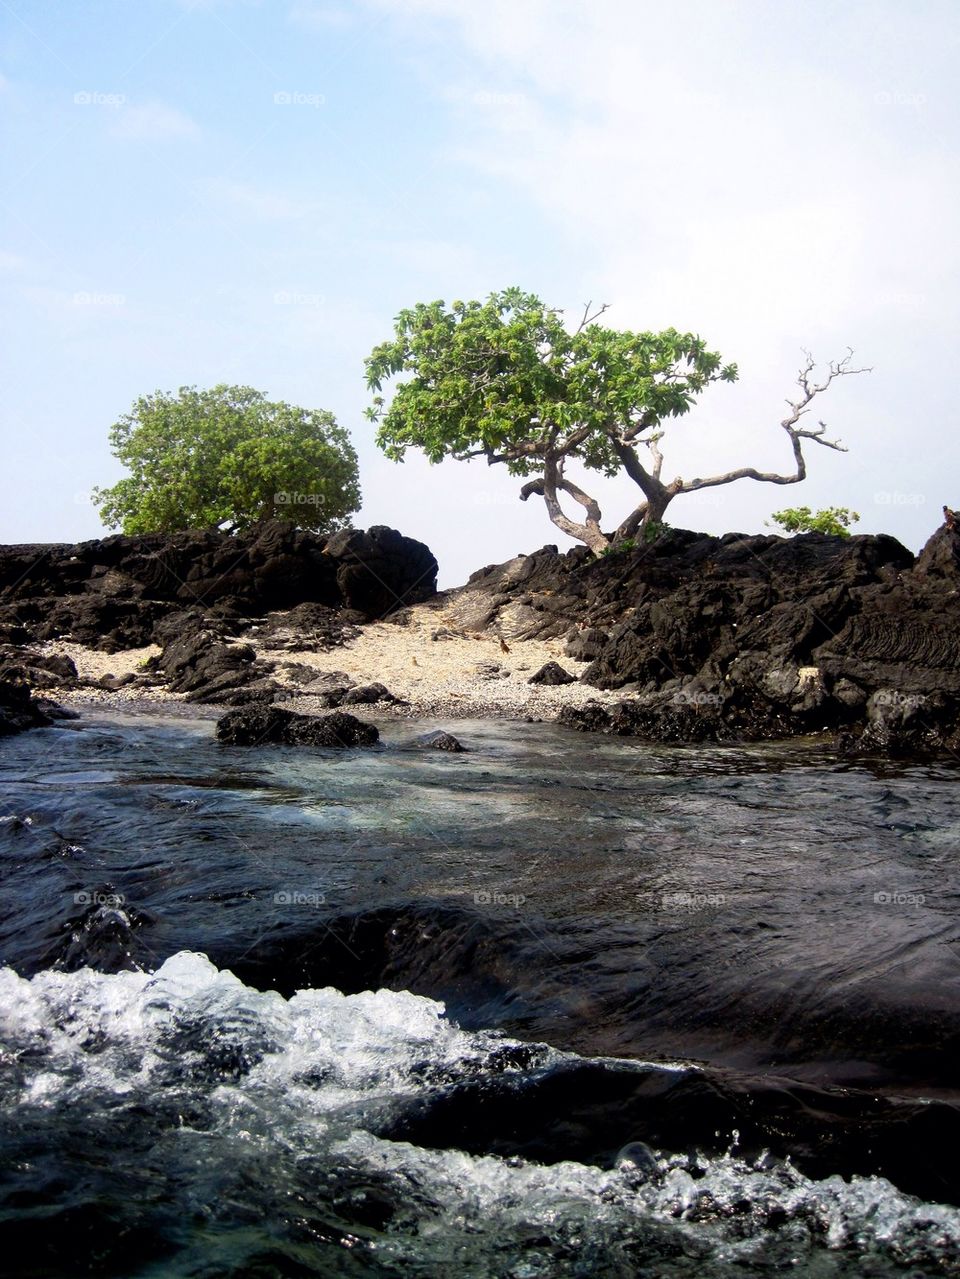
[{"x": 225, "y": 190}]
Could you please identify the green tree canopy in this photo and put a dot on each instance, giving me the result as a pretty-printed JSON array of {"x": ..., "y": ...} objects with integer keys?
[
  {"x": 831, "y": 519},
  {"x": 505, "y": 379},
  {"x": 228, "y": 457}
]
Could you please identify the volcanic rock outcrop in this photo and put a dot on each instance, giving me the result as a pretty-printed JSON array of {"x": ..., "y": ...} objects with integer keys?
[
  {"x": 111, "y": 593},
  {"x": 743, "y": 637}
]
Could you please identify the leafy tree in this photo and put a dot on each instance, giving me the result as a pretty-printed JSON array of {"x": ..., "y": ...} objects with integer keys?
[
  {"x": 831, "y": 519},
  {"x": 506, "y": 380},
  {"x": 228, "y": 457}
]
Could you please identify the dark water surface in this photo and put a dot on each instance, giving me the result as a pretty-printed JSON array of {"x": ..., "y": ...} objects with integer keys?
[{"x": 287, "y": 1012}]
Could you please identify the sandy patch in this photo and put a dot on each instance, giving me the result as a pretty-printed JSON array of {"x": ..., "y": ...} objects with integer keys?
[{"x": 458, "y": 675}]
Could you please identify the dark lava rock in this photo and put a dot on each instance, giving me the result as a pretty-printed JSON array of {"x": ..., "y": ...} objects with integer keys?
[
  {"x": 905, "y": 724},
  {"x": 53, "y": 710},
  {"x": 745, "y": 637},
  {"x": 114, "y": 592},
  {"x": 440, "y": 741},
  {"x": 310, "y": 628},
  {"x": 552, "y": 673},
  {"x": 110, "y": 683},
  {"x": 346, "y": 694},
  {"x": 585, "y": 644},
  {"x": 668, "y": 718},
  {"x": 300, "y": 673},
  {"x": 198, "y": 660},
  {"x": 18, "y": 710},
  {"x": 37, "y": 670},
  {"x": 367, "y": 694},
  {"x": 379, "y": 571},
  {"x": 273, "y": 725}
]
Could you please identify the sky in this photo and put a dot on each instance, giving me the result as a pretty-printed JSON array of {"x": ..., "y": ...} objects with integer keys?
[{"x": 248, "y": 191}]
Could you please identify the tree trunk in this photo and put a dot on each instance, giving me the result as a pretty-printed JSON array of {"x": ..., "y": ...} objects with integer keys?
[
  {"x": 650, "y": 512},
  {"x": 547, "y": 485}
]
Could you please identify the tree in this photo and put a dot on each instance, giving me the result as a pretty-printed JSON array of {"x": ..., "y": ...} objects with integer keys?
[
  {"x": 831, "y": 519},
  {"x": 505, "y": 380},
  {"x": 228, "y": 457}
]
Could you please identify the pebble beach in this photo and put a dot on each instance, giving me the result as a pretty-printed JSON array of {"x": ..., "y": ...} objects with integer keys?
[{"x": 457, "y": 675}]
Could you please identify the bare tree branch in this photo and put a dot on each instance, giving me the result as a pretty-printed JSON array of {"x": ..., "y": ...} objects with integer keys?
[
  {"x": 810, "y": 390},
  {"x": 588, "y": 318}
]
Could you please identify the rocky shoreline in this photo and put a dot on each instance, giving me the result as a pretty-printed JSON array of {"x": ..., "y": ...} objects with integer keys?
[{"x": 690, "y": 639}]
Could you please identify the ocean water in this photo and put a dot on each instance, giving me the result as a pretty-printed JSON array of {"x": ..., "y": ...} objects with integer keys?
[{"x": 559, "y": 1006}]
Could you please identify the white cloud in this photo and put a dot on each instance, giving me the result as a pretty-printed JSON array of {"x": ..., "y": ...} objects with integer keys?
[
  {"x": 769, "y": 182},
  {"x": 154, "y": 122}
]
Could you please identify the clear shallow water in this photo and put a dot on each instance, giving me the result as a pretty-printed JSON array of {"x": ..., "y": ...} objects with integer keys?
[{"x": 575, "y": 943}]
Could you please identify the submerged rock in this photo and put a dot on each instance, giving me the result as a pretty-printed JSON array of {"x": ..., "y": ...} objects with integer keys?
[
  {"x": 440, "y": 741},
  {"x": 273, "y": 725},
  {"x": 18, "y": 710}
]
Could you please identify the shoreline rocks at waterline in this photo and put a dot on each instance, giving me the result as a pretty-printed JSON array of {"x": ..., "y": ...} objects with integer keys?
[{"x": 275, "y": 726}]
